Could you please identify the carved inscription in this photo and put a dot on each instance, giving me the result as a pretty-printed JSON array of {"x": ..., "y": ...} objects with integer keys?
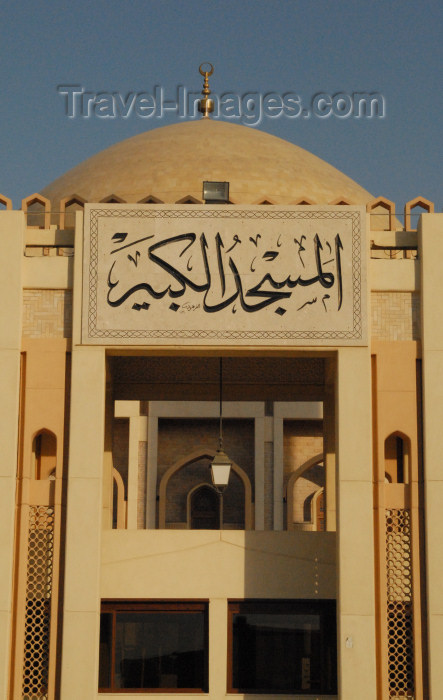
[{"x": 213, "y": 276}]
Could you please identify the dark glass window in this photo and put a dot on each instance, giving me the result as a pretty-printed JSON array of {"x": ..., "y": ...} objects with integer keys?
[
  {"x": 150, "y": 645},
  {"x": 282, "y": 647}
]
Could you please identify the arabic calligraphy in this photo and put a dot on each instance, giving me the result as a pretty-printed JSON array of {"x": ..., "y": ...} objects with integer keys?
[
  {"x": 202, "y": 275},
  {"x": 268, "y": 272}
]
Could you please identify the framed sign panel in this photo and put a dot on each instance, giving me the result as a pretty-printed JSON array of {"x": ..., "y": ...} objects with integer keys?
[{"x": 224, "y": 275}]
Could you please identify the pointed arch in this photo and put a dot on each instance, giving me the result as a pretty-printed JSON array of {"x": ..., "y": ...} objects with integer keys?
[
  {"x": 121, "y": 504},
  {"x": 150, "y": 199},
  {"x": 421, "y": 202},
  {"x": 382, "y": 214},
  {"x": 341, "y": 201},
  {"x": 44, "y": 450},
  {"x": 217, "y": 504},
  {"x": 304, "y": 201},
  {"x": 189, "y": 199},
  {"x": 397, "y": 451},
  {"x": 195, "y": 456},
  {"x": 319, "y": 511},
  {"x": 265, "y": 201},
  {"x": 73, "y": 200},
  {"x": 289, "y": 488},
  {"x": 41, "y": 216},
  {"x": 314, "y": 510},
  {"x": 113, "y": 199},
  {"x": 5, "y": 202}
]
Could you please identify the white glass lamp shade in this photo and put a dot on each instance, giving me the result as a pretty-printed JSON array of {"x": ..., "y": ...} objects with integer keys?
[{"x": 220, "y": 470}]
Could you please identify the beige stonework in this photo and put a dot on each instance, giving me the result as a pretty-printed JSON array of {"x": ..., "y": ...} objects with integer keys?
[
  {"x": 302, "y": 441},
  {"x": 269, "y": 487},
  {"x": 233, "y": 276},
  {"x": 395, "y": 315},
  {"x": 141, "y": 495},
  {"x": 47, "y": 313},
  {"x": 175, "y": 444},
  {"x": 304, "y": 489},
  {"x": 120, "y": 440},
  {"x": 431, "y": 248},
  {"x": 12, "y": 235},
  {"x": 171, "y": 163},
  {"x": 290, "y": 409}
]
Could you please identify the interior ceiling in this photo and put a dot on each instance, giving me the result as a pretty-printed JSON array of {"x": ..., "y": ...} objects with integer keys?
[{"x": 197, "y": 378}]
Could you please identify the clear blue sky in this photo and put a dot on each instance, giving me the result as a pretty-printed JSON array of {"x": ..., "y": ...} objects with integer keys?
[{"x": 300, "y": 46}]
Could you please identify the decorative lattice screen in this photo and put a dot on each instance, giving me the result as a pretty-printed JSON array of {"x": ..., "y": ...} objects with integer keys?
[
  {"x": 38, "y": 603},
  {"x": 399, "y": 604}
]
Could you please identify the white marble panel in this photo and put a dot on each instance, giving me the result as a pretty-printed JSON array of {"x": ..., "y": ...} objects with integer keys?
[{"x": 207, "y": 275}]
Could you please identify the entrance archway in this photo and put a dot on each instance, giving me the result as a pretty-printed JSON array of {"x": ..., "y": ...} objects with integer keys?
[{"x": 204, "y": 508}]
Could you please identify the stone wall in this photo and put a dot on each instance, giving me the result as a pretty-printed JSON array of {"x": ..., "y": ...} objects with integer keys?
[
  {"x": 178, "y": 438},
  {"x": 47, "y": 313},
  {"x": 395, "y": 315},
  {"x": 303, "y": 440}
]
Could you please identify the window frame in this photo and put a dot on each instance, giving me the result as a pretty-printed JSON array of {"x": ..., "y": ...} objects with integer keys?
[
  {"x": 115, "y": 606},
  {"x": 325, "y": 608}
]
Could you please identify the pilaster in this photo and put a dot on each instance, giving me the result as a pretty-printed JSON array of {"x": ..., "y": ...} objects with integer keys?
[
  {"x": 355, "y": 553},
  {"x": 12, "y": 229},
  {"x": 430, "y": 234},
  {"x": 84, "y": 525}
]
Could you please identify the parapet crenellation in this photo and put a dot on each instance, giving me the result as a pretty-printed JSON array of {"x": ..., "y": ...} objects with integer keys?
[{"x": 55, "y": 227}]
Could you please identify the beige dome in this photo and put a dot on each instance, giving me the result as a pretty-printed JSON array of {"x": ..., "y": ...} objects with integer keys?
[{"x": 172, "y": 162}]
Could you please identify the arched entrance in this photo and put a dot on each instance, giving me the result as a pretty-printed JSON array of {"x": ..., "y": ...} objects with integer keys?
[
  {"x": 205, "y": 508},
  {"x": 193, "y": 458}
]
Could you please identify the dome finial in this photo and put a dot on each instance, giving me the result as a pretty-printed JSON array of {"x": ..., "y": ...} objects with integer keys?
[{"x": 206, "y": 105}]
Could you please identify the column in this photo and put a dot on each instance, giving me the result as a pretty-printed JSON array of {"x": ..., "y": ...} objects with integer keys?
[
  {"x": 12, "y": 228},
  {"x": 431, "y": 250},
  {"x": 151, "y": 476},
  {"x": 134, "y": 439},
  {"x": 260, "y": 437},
  {"x": 355, "y": 543},
  {"x": 278, "y": 470},
  {"x": 329, "y": 446},
  {"x": 131, "y": 411},
  {"x": 218, "y": 644},
  {"x": 81, "y": 620}
]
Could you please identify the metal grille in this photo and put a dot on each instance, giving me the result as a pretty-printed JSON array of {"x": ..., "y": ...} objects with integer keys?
[
  {"x": 399, "y": 604},
  {"x": 38, "y": 603}
]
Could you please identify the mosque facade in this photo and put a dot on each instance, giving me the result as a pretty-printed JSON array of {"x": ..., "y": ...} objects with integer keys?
[{"x": 294, "y": 322}]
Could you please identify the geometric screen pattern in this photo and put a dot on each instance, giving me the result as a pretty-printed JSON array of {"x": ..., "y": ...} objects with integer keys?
[
  {"x": 38, "y": 603},
  {"x": 399, "y": 604}
]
